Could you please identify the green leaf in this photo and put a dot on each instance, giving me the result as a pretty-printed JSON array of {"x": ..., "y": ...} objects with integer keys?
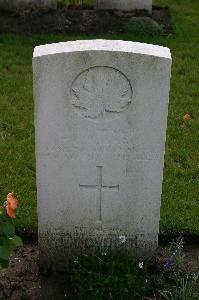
[
  {"x": 1, "y": 240},
  {"x": 4, "y": 253},
  {"x": 1, "y": 228},
  {"x": 4, "y": 263},
  {"x": 7, "y": 243},
  {"x": 17, "y": 241},
  {"x": 2, "y": 213},
  {"x": 8, "y": 229}
]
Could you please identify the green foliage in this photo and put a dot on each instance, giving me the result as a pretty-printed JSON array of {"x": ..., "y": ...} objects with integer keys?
[
  {"x": 183, "y": 291},
  {"x": 119, "y": 276},
  {"x": 178, "y": 267},
  {"x": 110, "y": 275},
  {"x": 181, "y": 274},
  {"x": 62, "y": 3},
  {"x": 144, "y": 26},
  {"x": 65, "y": 3},
  {"x": 8, "y": 239}
]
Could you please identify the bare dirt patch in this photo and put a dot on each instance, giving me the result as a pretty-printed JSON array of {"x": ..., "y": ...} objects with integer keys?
[
  {"x": 22, "y": 280},
  {"x": 76, "y": 21}
]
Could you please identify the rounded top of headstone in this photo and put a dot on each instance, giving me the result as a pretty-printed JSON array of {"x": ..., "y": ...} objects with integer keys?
[{"x": 102, "y": 45}]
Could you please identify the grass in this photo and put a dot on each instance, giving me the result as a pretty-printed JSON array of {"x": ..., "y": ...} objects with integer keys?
[
  {"x": 120, "y": 276},
  {"x": 180, "y": 201},
  {"x": 110, "y": 275}
]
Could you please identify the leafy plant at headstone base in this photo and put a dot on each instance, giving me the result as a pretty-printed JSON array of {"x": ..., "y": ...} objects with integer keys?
[
  {"x": 8, "y": 239},
  {"x": 184, "y": 290},
  {"x": 180, "y": 274},
  {"x": 76, "y": 3},
  {"x": 175, "y": 260},
  {"x": 61, "y": 3},
  {"x": 144, "y": 26},
  {"x": 110, "y": 275},
  {"x": 176, "y": 266},
  {"x": 70, "y": 3}
]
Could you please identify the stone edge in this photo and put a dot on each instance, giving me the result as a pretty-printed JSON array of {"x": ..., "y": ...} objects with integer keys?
[{"x": 103, "y": 45}]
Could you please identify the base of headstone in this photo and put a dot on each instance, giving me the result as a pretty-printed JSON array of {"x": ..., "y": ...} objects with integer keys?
[
  {"x": 124, "y": 4},
  {"x": 57, "y": 251}
]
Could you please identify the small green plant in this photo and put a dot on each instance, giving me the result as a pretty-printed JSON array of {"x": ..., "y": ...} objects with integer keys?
[
  {"x": 62, "y": 3},
  {"x": 8, "y": 239},
  {"x": 82, "y": 28},
  {"x": 71, "y": 3},
  {"x": 181, "y": 274},
  {"x": 173, "y": 266},
  {"x": 184, "y": 290},
  {"x": 176, "y": 265},
  {"x": 110, "y": 275},
  {"x": 76, "y": 2},
  {"x": 144, "y": 26}
]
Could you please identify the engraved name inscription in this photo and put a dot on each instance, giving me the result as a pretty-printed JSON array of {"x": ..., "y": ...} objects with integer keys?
[{"x": 101, "y": 93}]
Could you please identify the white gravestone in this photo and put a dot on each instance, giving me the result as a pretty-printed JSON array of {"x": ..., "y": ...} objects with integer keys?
[
  {"x": 100, "y": 120},
  {"x": 124, "y": 4}
]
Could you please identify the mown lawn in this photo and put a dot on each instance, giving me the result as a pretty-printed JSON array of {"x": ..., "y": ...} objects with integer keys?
[{"x": 180, "y": 199}]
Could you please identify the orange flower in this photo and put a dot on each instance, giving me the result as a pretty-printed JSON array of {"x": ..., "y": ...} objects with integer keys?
[
  {"x": 11, "y": 205},
  {"x": 187, "y": 117}
]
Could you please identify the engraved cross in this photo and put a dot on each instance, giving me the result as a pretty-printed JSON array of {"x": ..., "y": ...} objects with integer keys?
[{"x": 99, "y": 187}]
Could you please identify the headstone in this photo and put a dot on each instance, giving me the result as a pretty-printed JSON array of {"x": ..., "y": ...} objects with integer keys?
[
  {"x": 125, "y": 4},
  {"x": 100, "y": 119},
  {"x": 17, "y": 4}
]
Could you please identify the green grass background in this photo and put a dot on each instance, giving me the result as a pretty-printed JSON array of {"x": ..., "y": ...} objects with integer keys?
[{"x": 180, "y": 200}]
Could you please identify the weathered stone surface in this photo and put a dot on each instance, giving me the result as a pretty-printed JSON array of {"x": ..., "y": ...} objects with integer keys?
[
  {"x": 124, "y": 4},
  {"x": 100, "y": 120},
  {"x": 17, "y": 4}
]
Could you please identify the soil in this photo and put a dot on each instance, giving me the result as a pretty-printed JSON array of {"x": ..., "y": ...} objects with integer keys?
[
  {"x": 23, "y": 281},
  {"x": 76, "y": 21}
]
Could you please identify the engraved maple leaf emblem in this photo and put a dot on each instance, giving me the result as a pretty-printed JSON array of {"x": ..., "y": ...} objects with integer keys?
[{"x": 99, "y": 91}]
